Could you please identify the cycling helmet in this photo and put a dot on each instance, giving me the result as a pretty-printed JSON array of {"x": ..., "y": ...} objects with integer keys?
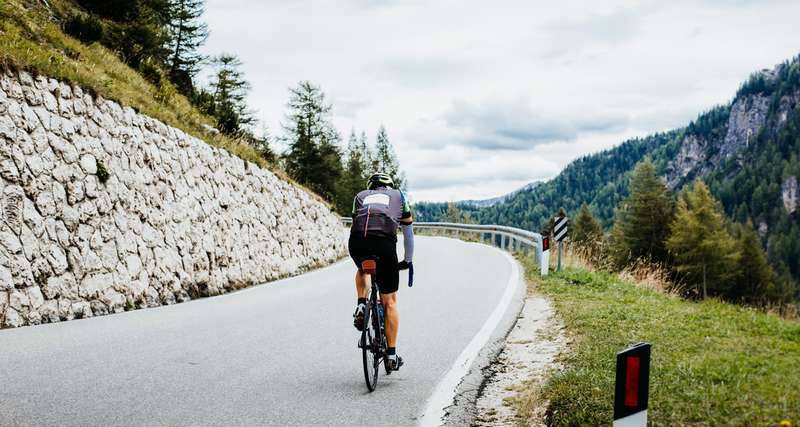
[{"x": 379, "y": 180}]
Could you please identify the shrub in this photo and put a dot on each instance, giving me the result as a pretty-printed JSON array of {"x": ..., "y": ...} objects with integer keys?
[
  {"x": 87, "y": 29},
  {"x": 102, "y": 172}
]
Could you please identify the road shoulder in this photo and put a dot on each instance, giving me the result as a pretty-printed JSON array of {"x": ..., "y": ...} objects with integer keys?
[
  {"x": 463, "y": 410},
  {"x": 519, "y": 372}
]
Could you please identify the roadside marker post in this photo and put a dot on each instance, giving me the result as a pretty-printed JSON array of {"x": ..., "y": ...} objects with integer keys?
[
  {"x": 560, "y": 233},
  {"x": 544, "y": 260},
  {"x": 632, "y": 386}
]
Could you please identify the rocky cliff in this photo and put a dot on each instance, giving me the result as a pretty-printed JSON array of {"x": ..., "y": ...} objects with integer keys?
[
  {"x": 105, "y": 210},
  {"x": 701, "y": 153}
]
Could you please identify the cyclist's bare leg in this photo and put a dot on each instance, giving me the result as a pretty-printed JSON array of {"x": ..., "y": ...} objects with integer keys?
[
  {"x": 362, "y": 287},
  {"x": 392, "y": 317}
]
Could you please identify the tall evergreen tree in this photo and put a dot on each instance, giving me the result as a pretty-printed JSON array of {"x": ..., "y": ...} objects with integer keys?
[
  {"x": 353, "y": 177},
  {"x": 329, "y": 170},
  {"x": 643, "y": 219},
  {"x": 262, "y": 144},
  {"x": 585, "y": 229},
  {"x": 371, "y": 163},
  {"x": 755, "y": 280},
  {"x": 135, "y": 29},
  {"x": 386, "y": 157},
  {"x": 704, "y": 253},
  {"x": 455, "y": 215},
  {"x": 313, "y": 159},
  {"x": 187, "y": 34},
  {"x": 230, "y": 92}
]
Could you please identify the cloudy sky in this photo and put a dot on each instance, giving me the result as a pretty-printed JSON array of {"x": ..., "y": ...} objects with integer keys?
[{"x": 482, "y": 97}]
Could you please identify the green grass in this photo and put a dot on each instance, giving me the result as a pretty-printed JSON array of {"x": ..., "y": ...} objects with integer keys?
[{"x": 713, "y": 363}]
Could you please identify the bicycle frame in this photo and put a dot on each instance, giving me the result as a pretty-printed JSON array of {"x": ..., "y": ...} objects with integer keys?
[{"x": 373, "y": 348}]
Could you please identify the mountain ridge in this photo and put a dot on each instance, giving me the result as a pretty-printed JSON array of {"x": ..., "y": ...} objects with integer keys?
[{"x": 495, "y": 200}]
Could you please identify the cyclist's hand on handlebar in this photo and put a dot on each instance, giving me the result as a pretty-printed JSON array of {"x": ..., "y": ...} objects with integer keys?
[{"x": 403, "y": 265}]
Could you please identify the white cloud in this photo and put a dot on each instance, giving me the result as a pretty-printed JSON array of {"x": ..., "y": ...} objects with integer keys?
[
  {"x": 516, "y": 125},
  {"x": 482, "y": 97}
]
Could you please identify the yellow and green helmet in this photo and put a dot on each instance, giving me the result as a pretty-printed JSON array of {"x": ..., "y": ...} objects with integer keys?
[{"x": 379, "y": 179}]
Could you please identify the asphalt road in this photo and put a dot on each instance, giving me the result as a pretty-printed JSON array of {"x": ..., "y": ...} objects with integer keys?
[{"x": 283, "y": 353}]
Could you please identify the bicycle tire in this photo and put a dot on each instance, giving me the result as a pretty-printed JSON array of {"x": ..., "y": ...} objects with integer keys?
[{"x": 368, "y": 350}]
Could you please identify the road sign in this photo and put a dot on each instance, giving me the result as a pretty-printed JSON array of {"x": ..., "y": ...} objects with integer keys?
[
  {"x": 560, "y": 228},
  {"x": 560, "y": 232},
  {"x": 633, "y": 384}
]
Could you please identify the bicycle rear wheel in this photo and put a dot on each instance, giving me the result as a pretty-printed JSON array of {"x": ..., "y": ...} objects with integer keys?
[{"x": 369, "y": 348}]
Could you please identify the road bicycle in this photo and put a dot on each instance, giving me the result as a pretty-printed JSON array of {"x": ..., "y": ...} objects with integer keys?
[{"x": 373, "y": 336}]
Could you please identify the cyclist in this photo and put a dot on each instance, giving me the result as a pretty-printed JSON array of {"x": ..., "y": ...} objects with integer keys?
[{"x": 377, "y": 213}]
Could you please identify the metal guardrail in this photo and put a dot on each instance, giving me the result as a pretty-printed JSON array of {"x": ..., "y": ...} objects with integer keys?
[{"x": 506, "y": 238}]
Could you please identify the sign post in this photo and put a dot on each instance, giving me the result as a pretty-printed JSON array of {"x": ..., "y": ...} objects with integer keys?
[
  {"x": 544, "y": 260},
  {"x": 633, "y": 386},
  {"x": 560, "y": 233}
]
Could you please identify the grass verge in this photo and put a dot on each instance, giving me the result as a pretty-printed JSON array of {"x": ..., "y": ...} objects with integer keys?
[{"x": 713, "y": 363}]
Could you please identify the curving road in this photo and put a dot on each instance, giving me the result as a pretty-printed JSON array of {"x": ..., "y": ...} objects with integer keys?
[{"x": 278, "y": 354}]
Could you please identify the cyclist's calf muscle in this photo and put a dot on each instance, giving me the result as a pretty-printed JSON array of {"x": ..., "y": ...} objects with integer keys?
[
  {"x": 362, "y": 287},
  {"x": 392, "y": 318}
]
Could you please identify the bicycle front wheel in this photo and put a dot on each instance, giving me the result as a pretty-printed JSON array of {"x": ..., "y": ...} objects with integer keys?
[{"x": 369, "y": 348}]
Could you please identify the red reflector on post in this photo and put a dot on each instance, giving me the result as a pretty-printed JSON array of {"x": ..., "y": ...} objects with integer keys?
[
  {"x": 632, "y": 386},
  {"x": 632, "y": 381}
]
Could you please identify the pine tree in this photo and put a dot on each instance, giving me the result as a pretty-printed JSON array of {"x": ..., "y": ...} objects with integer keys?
[
  {"x": 187, "y": 34},
  {"x": 329, "y": 170},
  {"x": 313, "y": 158},
  {"x": 386, "y": 158},
  {"x": 230, "y": 92},
  {"x": 353, "y": 178},
  {"x": 754, "y": 279},
  {"x": 584, "y": 229},
  {"x": 356, "y": 164},
  {"x": 456, "y": 215},
  {"x": 303, "y": 156},
  {"x": 135, "y": 29},
  {"x": 642, "y": 221},
  {"x": 370, "y": 160},
  {"x": 262, "y": 144},
  {"x": 704, "y": 253}
]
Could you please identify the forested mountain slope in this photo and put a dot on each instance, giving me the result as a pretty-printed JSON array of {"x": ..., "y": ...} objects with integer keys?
[
  {"x": 599, "y": 179},
  {"x": 747, "y": 151}
]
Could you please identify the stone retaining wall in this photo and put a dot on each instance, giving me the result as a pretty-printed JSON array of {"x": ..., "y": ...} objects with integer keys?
[{"x": 105, "y": 210}]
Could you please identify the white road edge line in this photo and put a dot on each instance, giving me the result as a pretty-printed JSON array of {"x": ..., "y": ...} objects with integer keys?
[{"x": 445, "y": 391}]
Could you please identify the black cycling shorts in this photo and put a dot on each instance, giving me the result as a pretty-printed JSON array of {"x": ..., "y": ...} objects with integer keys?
[{"x": 384, "y": 251}]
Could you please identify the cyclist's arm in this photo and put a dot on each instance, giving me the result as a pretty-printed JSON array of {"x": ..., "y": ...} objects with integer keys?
[
  {"x": 408, "y": 249},
  {"x": 408, "y": 240},
  {"x": 408, "y": 233}
]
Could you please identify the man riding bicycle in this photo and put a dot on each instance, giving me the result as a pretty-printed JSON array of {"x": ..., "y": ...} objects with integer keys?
[{"x": 377, "y": 213}]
